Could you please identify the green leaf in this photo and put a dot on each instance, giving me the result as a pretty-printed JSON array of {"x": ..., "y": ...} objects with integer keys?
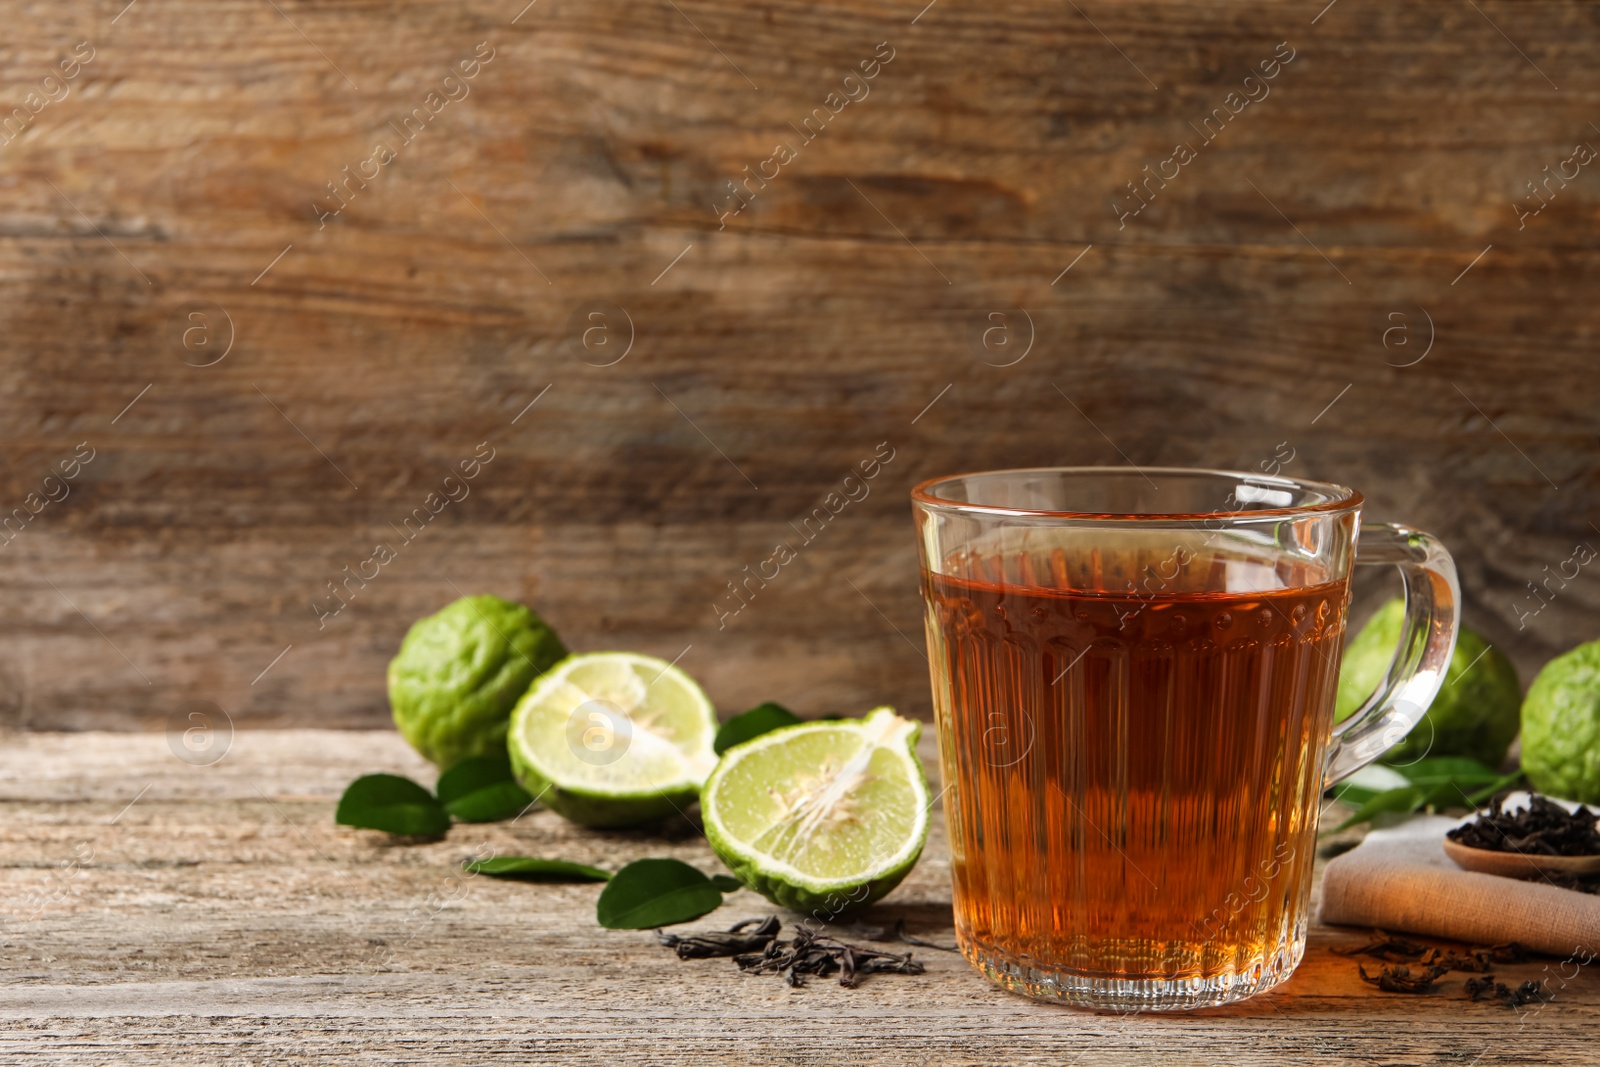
[
  {"x": 471, "y": 775},
  {"x": 1437, "y": 769},
  {"x": 535, "y": 869},
  {"x": 503, "y": 800},
  {"x": 1367, "y": 783},
  {"x": 726, "y": 883},
  {"x": 651, "y": 893},
  {"x": 393, "y": 804},
  {"x": 1503, "y": 782},
  {"x": 482, "y": 789},
  {"x": 1437, "y": 781},
  {"x": 1407, "y": 799},
  {"x": 761, "y": 719},
  {"x": 1352, "y": 794}
]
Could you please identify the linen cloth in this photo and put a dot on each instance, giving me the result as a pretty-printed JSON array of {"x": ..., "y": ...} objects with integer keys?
[{"x": 1401, "y": 880}]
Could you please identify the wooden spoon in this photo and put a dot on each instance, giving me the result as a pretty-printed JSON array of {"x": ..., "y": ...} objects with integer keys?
[{"x": 1517, "y": 864}]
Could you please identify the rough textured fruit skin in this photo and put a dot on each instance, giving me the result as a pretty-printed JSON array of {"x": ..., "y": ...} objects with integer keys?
[
  {"x": 603, "y": 812},
  {"x": 1476, "y": 713},
  {"x": 820, "y": 902},
  {"x": 460, "y": 671},
  {"x": 1561, "y": 726}
]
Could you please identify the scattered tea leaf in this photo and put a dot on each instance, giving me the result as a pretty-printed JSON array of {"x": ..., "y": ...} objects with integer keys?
[
  {"x": 1397, "y": 978},
  {"x": 535, "y": 869},
  {"x": 751, "y": 935},
  {"x": 1433, "y": 962},
  {"x": 812, "y": 953},
  {"x": 393, "y": 804},
  {"x": 900, "y": 934},
  {"x": 1384, "y": 947},
  {"x": 761, "y": 719},
  {"x": 754, "y": 946},
  {"x": 658, "y": 892},
  {"x": 482, "y": 789},
  {"x": 1478, "y": 988},
  {"x": 897, "y": 932},
  {"x": 1478, "y": 961},
  {"x": 1391, "y": 949},
  {"x": 1506, "y": 952}
]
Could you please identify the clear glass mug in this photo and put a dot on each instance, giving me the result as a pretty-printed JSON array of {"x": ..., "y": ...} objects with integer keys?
[{"x": 1133, "y": 680}]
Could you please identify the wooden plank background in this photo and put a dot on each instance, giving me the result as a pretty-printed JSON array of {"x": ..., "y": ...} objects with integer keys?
[{"x": 883, "y": 288}]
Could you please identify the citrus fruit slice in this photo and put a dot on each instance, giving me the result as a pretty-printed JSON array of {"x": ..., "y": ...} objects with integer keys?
[
  {"x": 613, "y": 739},
  {"x": 822, "y": 817}
]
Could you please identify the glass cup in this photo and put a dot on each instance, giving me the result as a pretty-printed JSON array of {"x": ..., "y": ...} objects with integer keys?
[{"x": 1133, "y": 679}]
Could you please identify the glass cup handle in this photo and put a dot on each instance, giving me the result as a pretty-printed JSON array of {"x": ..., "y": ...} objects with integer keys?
[{"x": 1427, "y": 641}]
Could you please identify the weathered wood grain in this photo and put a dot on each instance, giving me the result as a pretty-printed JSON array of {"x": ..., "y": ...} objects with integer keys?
[
  {"x": 592, "y": 152},
  {"x": 158, "y": 912}
]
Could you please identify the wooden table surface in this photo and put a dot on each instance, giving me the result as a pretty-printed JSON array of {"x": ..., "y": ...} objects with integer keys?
[{"x": 158, "y": 912}]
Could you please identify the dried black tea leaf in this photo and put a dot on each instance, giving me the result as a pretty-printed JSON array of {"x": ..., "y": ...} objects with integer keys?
[
  {"x": 755, "y": 949},
  {"x": 1397, "y": 978},
  {"x": 1506, "y": 952},
  {"x": 1384, "y": 947},
  {"x": 810, "y": 954},
  {"x": 1582, "y": 883},
  {"x": 1542, "y": 828},
  {"x": 899, "y": 934},
  {"x": 1526, "y": 993},
  {"x": 749, "y": 936}
]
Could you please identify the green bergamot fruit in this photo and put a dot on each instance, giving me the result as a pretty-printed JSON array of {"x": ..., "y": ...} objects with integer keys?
[
  {"x": 1561, "y": 726},
  {"x": 460, "y": 672},
  {"x": 1476, "y": 711}
]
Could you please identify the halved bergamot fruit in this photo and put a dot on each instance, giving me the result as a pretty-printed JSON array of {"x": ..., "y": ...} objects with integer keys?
[
  {"x": 823, "y": 817},
  {"x": 613, "y": 739}
]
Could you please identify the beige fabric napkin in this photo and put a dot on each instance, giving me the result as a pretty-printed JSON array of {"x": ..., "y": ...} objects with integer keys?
[{"x": 1400, "y": 879}]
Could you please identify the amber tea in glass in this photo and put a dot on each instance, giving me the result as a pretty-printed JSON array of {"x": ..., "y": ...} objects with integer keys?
[{"x": 1133, "y": 679}]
